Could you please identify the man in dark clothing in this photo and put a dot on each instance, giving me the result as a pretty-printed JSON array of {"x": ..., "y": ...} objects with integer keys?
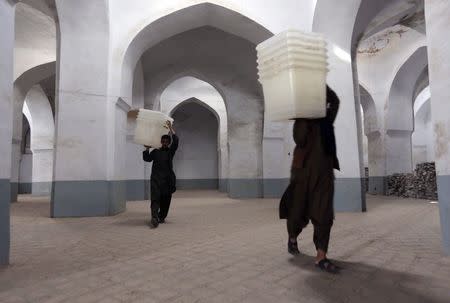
[
  {"x": 310, "y": 193},
  {"x": 163, "y": 179}
]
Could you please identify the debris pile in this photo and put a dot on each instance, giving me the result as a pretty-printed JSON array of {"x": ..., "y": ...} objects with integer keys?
[{"x": 421, "y": 184}]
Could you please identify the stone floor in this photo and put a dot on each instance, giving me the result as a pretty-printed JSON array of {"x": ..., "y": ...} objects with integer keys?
[{"x": 214, "y": 249}]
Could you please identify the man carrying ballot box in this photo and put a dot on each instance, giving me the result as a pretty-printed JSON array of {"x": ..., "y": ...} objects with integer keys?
[
  {"x": 163, "y": 179},
  {"x": 311, "y": 190}
]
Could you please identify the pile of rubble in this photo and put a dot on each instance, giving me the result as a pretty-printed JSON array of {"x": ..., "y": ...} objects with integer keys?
[
  {"x": 421, "y": 184},
  {"x": 426, "y": 185}
]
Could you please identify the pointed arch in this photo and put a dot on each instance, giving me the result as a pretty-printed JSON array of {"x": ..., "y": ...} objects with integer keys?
[{"x": 191, "y": 17}]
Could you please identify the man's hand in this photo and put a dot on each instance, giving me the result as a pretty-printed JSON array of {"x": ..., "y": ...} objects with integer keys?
[
  {"x": 170, "y": 127},
  {"x": 147, "y": 147}
]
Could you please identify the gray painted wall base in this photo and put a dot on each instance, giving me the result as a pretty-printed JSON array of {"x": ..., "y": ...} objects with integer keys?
[
  {"x": 377, "y": 185},
  {"x": 88, "y": 198},
  {"x": 197, "y": 184},
  {"x": 14, "y": 191},
  {"x": 25, "y": 188},
  {"x": 5, "y": 201},
  {"x": 443, "y": 183},
  {"x": 349, "y": 195},
  {"x": 223, "y": 185},
  {"x": 41, "y": 188},
  {"x": 245, "y": 188},
  {"x": 274, "y": 188},
  {"x": 136, "y": 190}
]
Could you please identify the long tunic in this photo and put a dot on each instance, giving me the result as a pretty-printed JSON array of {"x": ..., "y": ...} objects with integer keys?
[
  {"x": 312, "y": 172},
  {"x": 163, "y": 179}
]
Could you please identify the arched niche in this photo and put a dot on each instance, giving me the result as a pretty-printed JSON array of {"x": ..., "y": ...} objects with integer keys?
[
  {"x": 38, "y": 111},
  {"x": 192, "y": 89},
  {"x": 185, "y": 19},
  {"x": 196, "y": 162}
]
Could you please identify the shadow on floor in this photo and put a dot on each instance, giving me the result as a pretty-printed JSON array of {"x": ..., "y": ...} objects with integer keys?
[{"x": 359, "y": 282}]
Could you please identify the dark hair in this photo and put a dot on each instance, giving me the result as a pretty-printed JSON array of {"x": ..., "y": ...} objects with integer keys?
[{"x": 166, "y": 137}]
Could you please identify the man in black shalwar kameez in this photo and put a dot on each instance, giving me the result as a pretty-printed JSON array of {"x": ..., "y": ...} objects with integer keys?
[
  {"x": 310, "y": 193},
  {"x": 163, "y": 179}
]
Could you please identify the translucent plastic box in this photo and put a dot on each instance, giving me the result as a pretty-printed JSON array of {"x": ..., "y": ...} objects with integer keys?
[
  {"x": 292, "y": 69},
  {"x": 150, "y": 126}
]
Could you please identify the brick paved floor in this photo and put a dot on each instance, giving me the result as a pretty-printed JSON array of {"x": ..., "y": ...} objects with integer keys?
[{"x": 214, "y": 249}]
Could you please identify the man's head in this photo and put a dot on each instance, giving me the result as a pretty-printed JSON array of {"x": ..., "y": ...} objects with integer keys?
[{"x": 165, "y": 141}]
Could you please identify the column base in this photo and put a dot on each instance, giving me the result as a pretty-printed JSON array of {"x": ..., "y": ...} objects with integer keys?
[
  {"x": 349, "y": 195},
  {"x": 444, "y": 210},
  {"x": 274, "y": 188},
  {"x": 136, "y": 190},
  {"x": 88, "y": 198},
  {"x": 14, "y": 191},
  {"x": 41, "y": 188},
  {"x": 197, "y": 184},
  {"x": 223, "y": 185},
  {"x": 377, "y": 185},
  {"x": 245, "y": 188},
  {"x": 25, "y": 188},
  {"x": 5, "y": 201}
]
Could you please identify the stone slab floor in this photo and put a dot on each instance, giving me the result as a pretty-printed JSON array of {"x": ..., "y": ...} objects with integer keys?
[{"x": 214, "y": 249}]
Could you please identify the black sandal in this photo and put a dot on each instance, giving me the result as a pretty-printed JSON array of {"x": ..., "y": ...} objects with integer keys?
[
  {"x": 328, "y": 266},
  {"x": 293, "y": 248}
]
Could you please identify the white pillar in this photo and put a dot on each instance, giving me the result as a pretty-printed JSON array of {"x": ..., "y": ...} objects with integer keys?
[
  {"x": 337, "y": 23},
  {"x": 377, "y": 163},
  {"x": 245, "y": 136},
  {"x": 6, "y": 111},
  {"x": 278, "y": 149},
  {"x": 84, "y": 169},
  {"x": 42, "y": 172},
  {"x": 398, "y": 152},
  {"x": 437, "y": 14}
]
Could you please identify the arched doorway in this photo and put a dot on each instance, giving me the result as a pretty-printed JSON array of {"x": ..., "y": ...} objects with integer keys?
[{"x": 196, "y": 163}]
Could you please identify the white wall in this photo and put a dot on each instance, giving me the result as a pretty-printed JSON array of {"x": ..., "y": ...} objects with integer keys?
[
  {"x": 35, "y": 39},
  {"x": 197, "y": 156}
]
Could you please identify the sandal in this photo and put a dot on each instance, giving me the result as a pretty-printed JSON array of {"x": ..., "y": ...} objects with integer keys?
[{"x": 328, "y": 266}]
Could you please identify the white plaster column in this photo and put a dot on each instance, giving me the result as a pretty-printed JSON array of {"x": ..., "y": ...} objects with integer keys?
[
  {"x": 6, "y": 111},
  {"x": 398, "y": 152},
  {"x": 135, "y": 166},
  {"x": 377, "y": 163},
  {"x": 86, "y": 115},
  {"x": 42, "y": 172},
  {"x": 337, "y": 23},
  {"x": 245, "y": 137},
  {"x": 277, "y": 157},
  {"x": 437, "y": 14}
]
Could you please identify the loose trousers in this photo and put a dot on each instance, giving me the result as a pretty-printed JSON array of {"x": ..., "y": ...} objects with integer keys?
[
  {"x": 313, "y": 200},
  {"x": 160, "y": 207}
]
